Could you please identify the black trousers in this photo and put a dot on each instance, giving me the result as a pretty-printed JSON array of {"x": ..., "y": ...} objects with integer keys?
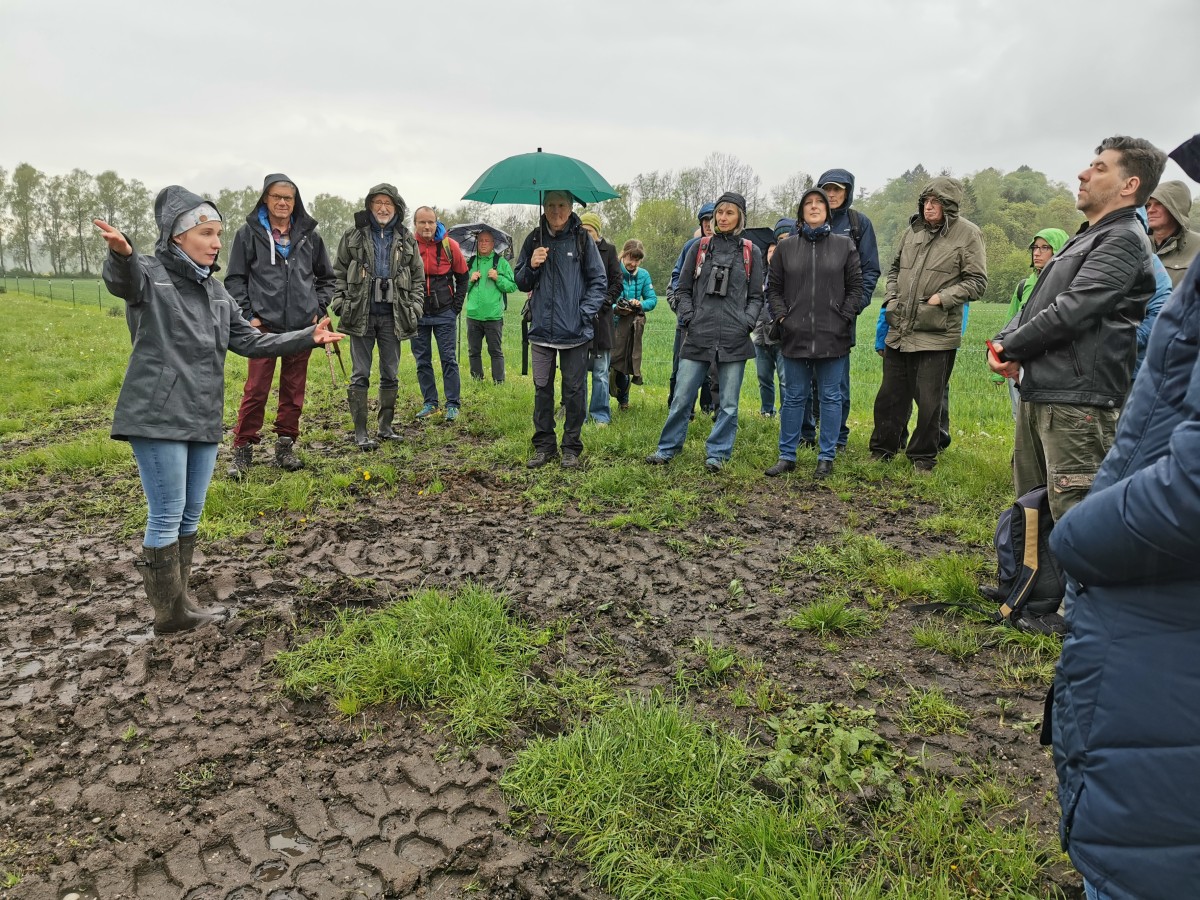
[
  {"x": 574, "y": 364},
  {"x": 920, "y": 377}
]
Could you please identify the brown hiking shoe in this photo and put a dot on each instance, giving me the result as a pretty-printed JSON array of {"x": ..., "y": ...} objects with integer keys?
[
  {"x": 240, "y": 464},
  {"x": 285, "y": 455}
]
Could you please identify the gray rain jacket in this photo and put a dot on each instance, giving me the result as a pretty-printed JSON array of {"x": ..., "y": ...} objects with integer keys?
[{"x": 181, "y": 325}]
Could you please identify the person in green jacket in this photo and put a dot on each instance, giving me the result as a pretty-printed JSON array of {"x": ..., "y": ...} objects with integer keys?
[
  {"x": 490, "y": 281},
  {"x": 1044, "y": 245}
]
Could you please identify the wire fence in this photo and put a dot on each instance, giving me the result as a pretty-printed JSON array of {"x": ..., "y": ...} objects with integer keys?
[{"x": 973, "y": 392}]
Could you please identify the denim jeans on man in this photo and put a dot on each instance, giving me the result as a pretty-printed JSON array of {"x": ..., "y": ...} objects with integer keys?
[
  {"x": 598, "y": 408},
  {"x": 493, "y": 331},
  {"x": 808, "y": 430},
  {"x": 175, "y": 477},
  {"x": 381, "y": 331},
  {"x": 692, "y": 375},
  {"x": 573, "y": 361},
  {"x": 799, "y": 375},
  {"x": 768, "y": 363},
  {"x": 442, "y": 327}
]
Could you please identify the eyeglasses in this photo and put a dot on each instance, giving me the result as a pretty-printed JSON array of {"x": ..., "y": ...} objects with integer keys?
[
  {"x": 1042, "y": 248},
  {"x": 281, "y": 198},
  {"x": 382, "y": 204}
]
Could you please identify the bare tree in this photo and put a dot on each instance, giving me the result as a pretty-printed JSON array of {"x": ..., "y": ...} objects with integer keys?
[{"x": 3, "y": 213}]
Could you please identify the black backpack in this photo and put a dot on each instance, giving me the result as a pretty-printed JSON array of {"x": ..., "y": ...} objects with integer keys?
[{"x": 1030, "y": 581}]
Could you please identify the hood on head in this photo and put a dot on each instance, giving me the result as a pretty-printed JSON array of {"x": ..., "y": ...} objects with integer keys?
[
  {"x": 705, "y": 212},
  {"x": 298, "y": 211},
  {"x": 1055, "y": 237},
  {"x": 842, "y": 177},
  {"x": 171, "y": 203},
  {"x": 947, "y": 190},
  {"x": 365, "y": 217},
  {"x": 1176, "y": 197},
  {"x": 824, "y": 199}
]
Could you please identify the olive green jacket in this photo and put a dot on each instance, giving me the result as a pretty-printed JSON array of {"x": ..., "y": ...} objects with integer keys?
[
  {"x": 950, "y": 261},
  {"x": 1177, "y": 252},
  {"x": 354, "y": 268}
]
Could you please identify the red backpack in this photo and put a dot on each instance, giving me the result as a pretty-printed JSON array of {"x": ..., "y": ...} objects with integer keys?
[{"x": 703, "y": 251}]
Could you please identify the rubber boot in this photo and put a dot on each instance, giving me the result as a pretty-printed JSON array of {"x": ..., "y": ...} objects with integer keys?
[
  {"x": 160, "y": 575},
  {"x": 357, "y": 398},
  {"x": 387, "y": 411},
  {"x": 187, "y": 548}
]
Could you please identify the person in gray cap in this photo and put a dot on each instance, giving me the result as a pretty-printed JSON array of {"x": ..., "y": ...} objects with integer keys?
[
  {"x": 1167, "y": 213},
  {"x": 181, "y": 322}
]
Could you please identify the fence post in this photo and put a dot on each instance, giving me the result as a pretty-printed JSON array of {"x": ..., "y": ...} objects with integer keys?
[
  {"x": 72, "y": 291},
  {"x": 49, "y": 289},
  {"x": 99, "y": 301}
]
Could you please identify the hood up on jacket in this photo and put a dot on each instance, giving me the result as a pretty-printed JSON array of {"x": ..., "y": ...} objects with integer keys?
[
  {"x": 364, "y": 218},
  {"x": 171, "y": 203},
  {"x": 1055, "y": 237},
  {"x": 839, "y": 176},
  {"x": 302, "y": 222},
  {"x": 824, "y": 199},
  {"x": 1176, "y": 197},
  {"x": 949, "y": 191}
]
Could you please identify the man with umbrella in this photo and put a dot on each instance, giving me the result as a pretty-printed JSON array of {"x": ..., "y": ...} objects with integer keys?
[{"x": 561, "y": 268}]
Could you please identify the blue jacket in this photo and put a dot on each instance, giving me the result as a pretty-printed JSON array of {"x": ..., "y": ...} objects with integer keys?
[
  {"x": 567, "y": 289},
  {"x": 1126, "y": 713},
  {"x": 637, "y": 286},
  {"x": 704, "y": 212},
  {"x": 1162, "y": 290}
]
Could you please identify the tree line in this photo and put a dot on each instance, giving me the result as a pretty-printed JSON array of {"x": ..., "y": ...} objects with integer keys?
[{"x": 46, "y": 220}]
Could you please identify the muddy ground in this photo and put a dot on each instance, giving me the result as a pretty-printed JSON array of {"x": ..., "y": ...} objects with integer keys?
[{"x": 174, "y": 768}]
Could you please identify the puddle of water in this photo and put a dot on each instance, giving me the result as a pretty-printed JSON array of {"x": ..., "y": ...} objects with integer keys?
[
  {"x": 289, "y": 842},
  {"x": 269, "y": 871}
]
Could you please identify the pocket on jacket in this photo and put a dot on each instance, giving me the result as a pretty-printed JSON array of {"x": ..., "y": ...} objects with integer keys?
[
  {"x": 162, "y": 390},
  {"x": 931, "y": 318},
  {"x": 889, "y": 314}
]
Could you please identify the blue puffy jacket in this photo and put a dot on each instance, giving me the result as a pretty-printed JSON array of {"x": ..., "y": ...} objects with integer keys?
[
  {"x": 568, "y": 288},
  {"x": 1127, "y": 686}
]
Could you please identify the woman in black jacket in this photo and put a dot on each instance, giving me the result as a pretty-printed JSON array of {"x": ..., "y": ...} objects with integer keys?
[
  {"x": 814, "y": 287},
  {"x": 181, "y": 321}
]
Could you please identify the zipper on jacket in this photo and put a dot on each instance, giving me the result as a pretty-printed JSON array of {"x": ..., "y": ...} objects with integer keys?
[
  {"x": 812, "y": 306},
  {"x": 1075, "y": 362}
]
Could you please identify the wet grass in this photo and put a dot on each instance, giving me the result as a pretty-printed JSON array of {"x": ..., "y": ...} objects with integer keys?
[
  {"x": 461, "y": 654},
  {"x": 663, "y": 805}
]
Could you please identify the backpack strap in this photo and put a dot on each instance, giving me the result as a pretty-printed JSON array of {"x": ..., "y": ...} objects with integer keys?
[
  {"x": 702, "y": 251},
  {"x": 855, "y": 225},
  {"x": 1029, "y": 565},
  {"x": 747, "y": 253},
  {"x": 747, "y": 256}
]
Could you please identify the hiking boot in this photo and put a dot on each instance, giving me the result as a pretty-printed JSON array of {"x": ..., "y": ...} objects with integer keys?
[
  {"x": 356, "y": 398},
  {"x": 426, "y": 411},
  {"x": 164, "y": 589},
  {"x": 882, "y": 456},
  {"x": 824, "y": 468},
  {"x": 187, "y": 548},
  {"x": 780, "y": 467},
  {"x": 712, "y": 464},
  {"x": 240, "y": 464},
  {"x": 570, "y": 460},
  {"x": 923, "y": 467},
  {"x": 451, "y": 413},
  {"x": 540, "y": 459},
  {"x": 387, "y": 412},
  {"x": 285, "y": 455},
  {"x": 655, "y": 459}
]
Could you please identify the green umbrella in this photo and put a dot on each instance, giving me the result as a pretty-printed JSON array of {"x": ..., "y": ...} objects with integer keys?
[{"x": 527, "y": 177}]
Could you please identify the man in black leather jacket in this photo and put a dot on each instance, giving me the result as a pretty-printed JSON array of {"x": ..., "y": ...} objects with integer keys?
[{"x": 1073, "y": 347}]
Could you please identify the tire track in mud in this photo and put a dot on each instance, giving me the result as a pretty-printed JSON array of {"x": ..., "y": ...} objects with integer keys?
[{"x": 173, "y": 768}]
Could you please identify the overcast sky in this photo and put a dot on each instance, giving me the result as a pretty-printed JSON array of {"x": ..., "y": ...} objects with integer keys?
[{"x": 341, "y": 95}]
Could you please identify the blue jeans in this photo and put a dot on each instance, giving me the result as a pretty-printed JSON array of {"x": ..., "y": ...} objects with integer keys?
[
  {"x": 798, "y": 377},
  {"x": 691, "y": 376},
  {"x": 768, "y": 361},
  {"x": 442, "y": 326},
  {"x": 1092, "y": 893},
  {"x": 808, "y": 431},
  {"x": 175, "y": 477},
  {"x": 599, "y": 409}
]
